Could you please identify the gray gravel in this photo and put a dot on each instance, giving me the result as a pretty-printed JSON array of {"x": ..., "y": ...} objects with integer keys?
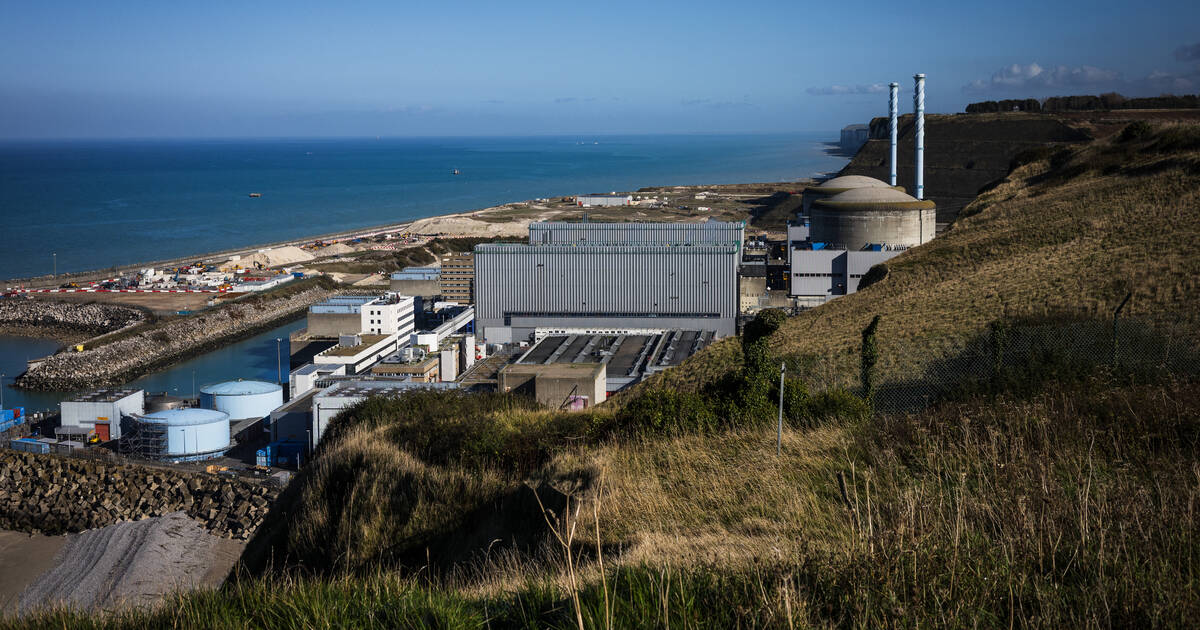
[{"x": 127, "y": 564}]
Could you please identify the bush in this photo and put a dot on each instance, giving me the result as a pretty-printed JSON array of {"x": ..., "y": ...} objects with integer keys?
[
  {"x": 1136, "y": 130},
  {"x": 668, "y": 411},
  {"x": 832, "y": 405}
]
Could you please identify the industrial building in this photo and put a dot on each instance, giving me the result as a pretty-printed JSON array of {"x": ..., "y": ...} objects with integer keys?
[
  {"x": 242, "y": 400},
  {"x": 386, "y": 314},
  {"x": 613, "y": 276},
  {"x": 599, "y": 199},
  {"x": 417, "y": 281},
  {"x": 357, "y": 353},
  {"x": 102, "y": 411},
  {"x": 305, "y": 377},
  {"x": 848, "y": 224},
  {"x": 330, "y": 401},
  {"x": 569, "y": 386},
  {"x": 180, "y": 435},
  {"x": 457, "y": 280},
  {"x": 627, "y": 356}
]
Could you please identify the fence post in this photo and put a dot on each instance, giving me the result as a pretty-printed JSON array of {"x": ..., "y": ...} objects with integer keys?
[{"x": 1116, "y": 316}]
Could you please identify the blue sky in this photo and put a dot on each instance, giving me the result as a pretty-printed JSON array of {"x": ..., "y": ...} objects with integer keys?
[{"x": 265, "y": 68}]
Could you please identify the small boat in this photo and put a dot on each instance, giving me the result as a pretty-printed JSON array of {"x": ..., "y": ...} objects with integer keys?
[
  {"x": 256, "y": 195},
  {"x": 456, "y": 172}
]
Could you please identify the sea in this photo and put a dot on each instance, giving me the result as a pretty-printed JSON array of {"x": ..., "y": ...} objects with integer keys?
[{"x": 81, "y": 205}]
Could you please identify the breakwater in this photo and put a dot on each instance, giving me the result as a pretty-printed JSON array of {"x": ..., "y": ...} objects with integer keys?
[
  {"x": 65, "y": 321},
  {"x": 167, "y": 342},
  {"x": 51, "y": 494}
]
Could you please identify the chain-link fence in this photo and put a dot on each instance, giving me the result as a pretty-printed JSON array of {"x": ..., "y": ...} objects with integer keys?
[{"x": 1011, "y": 357}]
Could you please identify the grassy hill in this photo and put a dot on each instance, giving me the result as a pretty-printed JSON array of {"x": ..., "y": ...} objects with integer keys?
[{"x": 1040, "y": 484}]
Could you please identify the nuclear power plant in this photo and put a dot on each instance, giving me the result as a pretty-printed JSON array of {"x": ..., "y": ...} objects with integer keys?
[{"x": 848, "y": 224}]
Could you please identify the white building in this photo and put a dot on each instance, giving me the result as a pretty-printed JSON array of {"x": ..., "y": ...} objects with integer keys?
[
  {"x": 357, "y": 353},
  {"x": 102, "y": 410},
  {"x": 331, "y": 401},
  {"x": 387, "y": 314}
]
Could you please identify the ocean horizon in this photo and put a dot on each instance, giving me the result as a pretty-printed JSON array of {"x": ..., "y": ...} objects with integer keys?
[{"x": 91, "y": 204}]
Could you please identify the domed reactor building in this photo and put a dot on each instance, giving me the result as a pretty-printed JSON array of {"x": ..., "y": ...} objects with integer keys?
[{"x": 849, "y": 224}]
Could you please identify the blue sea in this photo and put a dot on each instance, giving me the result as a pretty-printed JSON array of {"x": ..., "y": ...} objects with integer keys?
[{"x": 92, "y": 204}]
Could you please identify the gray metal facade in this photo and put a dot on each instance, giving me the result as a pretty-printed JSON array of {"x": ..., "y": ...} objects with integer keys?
[
  {"x": 707, "y": 233},
  {"x": 521, "y": 287},
  {"x": 828, "y": 273}
]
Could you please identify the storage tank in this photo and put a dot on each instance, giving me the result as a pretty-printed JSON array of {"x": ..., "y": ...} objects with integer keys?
[
  {"x": 880, "y": 216},
  {"x": 242, "y": 399},
  {"x": 178, "y": 435},
  {"x": 837, "y": 186},
  {"x": 162, "y": 402}
]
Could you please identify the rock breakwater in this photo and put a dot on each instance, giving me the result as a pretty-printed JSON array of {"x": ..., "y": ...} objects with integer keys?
[
  {"x": 165, "y": 343},
  {"x": 50, "y": 494},
  {"x": 66, "y": 319}
]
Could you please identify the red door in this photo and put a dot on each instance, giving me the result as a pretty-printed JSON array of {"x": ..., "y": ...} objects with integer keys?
[{"x": 102, "y": 431}]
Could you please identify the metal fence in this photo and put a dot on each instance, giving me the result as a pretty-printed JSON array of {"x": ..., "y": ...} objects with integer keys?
[{"x": 1012, "y": 357}]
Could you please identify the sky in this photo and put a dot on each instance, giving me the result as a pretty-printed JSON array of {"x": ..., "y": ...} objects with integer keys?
[{"x": 136, "y": 69}]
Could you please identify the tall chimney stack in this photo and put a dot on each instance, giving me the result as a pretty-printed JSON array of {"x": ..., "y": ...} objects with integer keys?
[
  {"x": 893, "y": 112},
  {"x": 919, "y": 110}
]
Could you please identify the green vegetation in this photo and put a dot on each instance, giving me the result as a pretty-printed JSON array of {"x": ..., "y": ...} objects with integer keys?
[{"x": 1009, "y": 472}]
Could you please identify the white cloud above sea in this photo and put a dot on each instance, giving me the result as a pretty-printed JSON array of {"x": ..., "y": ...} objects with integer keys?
[{"x": 842, "y": 90}]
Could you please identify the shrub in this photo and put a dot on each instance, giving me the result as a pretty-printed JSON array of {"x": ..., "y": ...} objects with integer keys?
[
  {"x": 668, "y": 411},
  {"x": 1136, "y": 130},
  {"x": 833, "y": 405}
]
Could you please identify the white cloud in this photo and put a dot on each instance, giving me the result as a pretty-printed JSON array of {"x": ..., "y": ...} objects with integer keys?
[
  {"x": 839, "y": 90},
  {"x": 1017, "y": 77}
]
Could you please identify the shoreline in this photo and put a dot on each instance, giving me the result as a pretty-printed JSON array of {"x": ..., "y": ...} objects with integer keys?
[{"x": 351, "y": 233}]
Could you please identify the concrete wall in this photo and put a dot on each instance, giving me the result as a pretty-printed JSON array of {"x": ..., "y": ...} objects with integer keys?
[
  {"x": 334, "y": 324},
  {"x": 551, "y": 384},
  {"x": 832, "y": 272},
  {"x": 855, "y": 228},
  {"x": 422, "y": 288}
]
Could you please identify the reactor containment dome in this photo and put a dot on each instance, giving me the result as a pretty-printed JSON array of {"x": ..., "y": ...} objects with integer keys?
[
  {"x": 861, "y": 217},
  {"x": 837, "y": 186},
  {"x": 242, "y": 399},
  {"x": 181, "y": 435}
]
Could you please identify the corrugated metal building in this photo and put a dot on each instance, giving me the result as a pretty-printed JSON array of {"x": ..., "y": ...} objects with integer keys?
[
  {"x": 523, "y": 287},
  {"x": 707, "y": 233}
]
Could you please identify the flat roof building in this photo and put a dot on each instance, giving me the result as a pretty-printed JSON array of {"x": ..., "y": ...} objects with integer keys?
[
  {"x": 457, "y": 279},
  {"x": 610, "y": 275},
  {"x": 386, "y": 314},
  {"x": 417, "y": 281},
  {"x": 603, "y": 199},
  {"x": 101, "y": 411},
  {"x": 628, "y": 356}
]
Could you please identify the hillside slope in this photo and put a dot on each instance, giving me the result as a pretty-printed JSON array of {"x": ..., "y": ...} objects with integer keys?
[{"x": 1049, "y": 498}]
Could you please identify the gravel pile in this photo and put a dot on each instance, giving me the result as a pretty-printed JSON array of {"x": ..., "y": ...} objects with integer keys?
[
  {"x": 122, "y": 360},
  {"x": 126, "y": 564}
]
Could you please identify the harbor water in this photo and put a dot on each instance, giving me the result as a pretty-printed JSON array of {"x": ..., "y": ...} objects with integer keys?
[{"x": 259, "y": 357}]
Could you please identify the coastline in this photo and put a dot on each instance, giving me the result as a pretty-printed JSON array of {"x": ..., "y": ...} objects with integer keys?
[{"x": 474, "y": 223}]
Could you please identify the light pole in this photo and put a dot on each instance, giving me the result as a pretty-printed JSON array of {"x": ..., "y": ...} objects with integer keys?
[
  {"x": 54, "y": 255},
  {"x": 779, "y": 442},
  {"x": 193, "y": 383},
  {"x": 278, "y": 360},
  {"x": 2, "y": 390}
]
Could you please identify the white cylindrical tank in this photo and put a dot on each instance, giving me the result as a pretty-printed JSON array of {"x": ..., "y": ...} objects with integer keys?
[
  {"x": 873, "y": 216},
  {"x": 185, "y": 434},
  {"x": 242, "y": 399}
]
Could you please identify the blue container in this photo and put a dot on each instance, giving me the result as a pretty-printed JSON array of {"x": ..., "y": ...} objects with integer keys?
[
  {"x": 297, "y": 274},
  {"x": 289, "y": 454},
  {"x": 29, "y": 445},
  {"x": 264, "y": 456},
  {"x": 7, "y": 414}
]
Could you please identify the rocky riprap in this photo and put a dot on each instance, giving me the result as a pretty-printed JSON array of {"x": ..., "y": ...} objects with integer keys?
[
  {"x": 122, "y": 360},
  {"x": 88, "y": 319},
  {"x": 52, "y": 494}
]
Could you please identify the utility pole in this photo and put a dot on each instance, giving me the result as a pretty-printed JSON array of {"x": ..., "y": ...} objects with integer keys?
[
  {"x": 278, "y": 360},
  {"x": 779, "y": 441},
  {"x": 193, "y": 383},
  {"x": 2, "y": 390},
  {"x": 54, "y": 256}
]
